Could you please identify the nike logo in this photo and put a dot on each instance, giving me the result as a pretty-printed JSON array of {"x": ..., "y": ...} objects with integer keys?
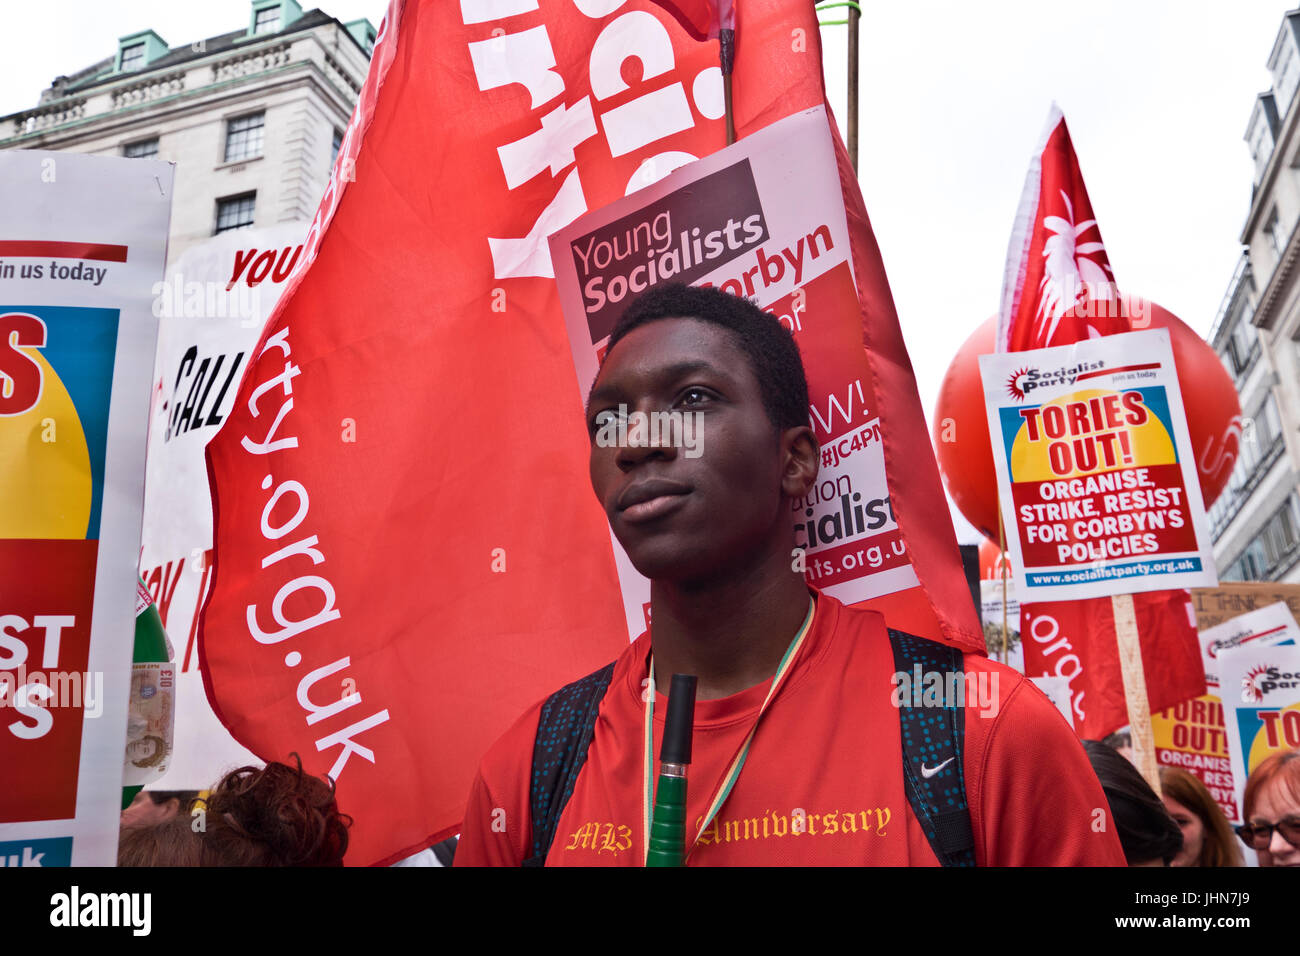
[{"x": 928, "y": 772}]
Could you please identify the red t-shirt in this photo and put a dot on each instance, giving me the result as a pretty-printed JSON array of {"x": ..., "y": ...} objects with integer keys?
[{"x": 823, "y": 781}]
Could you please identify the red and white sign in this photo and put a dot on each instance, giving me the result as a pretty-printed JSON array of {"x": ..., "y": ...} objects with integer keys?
[
  {"x": 212, "y": 305},
  {"x": 1096, "y": 477},
  {"x": 763, "y": 219}
]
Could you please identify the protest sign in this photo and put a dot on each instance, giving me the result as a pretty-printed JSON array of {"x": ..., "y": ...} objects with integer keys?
[
  {"x": 81, "y": 245},
  {"x": 763, "y": 219},
  {"x": 211, "y": 305},
  {"x": 1193, "y": 734},
  {"x": 1230, "y": 599},
  {"x": 1261, "y": 701},
  {"x": 1095, "y": 473}
]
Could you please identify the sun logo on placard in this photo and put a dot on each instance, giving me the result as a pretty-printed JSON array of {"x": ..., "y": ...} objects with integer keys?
[
  {"x": 1250, "y": 691},
  {"x": 1013, "y": 384}
]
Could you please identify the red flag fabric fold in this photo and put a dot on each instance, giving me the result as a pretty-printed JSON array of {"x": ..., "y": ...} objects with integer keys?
[{"x": 702, "y": 19}]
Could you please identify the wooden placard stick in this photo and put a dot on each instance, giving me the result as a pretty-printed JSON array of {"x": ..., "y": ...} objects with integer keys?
[
  {"x": 1135, "y": 689},
  {"x": 1002, "y": 560}
]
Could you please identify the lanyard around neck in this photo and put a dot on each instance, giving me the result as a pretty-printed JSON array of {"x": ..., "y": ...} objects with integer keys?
[{"x": 732, "y": 773}]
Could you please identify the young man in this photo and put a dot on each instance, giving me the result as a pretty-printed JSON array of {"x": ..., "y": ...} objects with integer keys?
[{"x": 821, "y": 780}]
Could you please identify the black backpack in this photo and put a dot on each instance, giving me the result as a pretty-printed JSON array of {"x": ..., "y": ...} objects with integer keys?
[{"x": 932, "y": 738}]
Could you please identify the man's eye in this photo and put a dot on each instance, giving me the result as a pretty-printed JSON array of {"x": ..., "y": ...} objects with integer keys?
[
  {"x": 695, "y": 396},
  {"x": 604, "y": 419}
]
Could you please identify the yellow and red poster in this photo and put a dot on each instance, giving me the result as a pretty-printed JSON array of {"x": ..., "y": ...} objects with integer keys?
[
  {"x": 81, "y": 245},
  {"x": 1096, "y": 478}
]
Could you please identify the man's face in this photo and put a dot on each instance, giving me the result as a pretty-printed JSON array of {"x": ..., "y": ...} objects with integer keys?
[{"x": 685, "y": 518}]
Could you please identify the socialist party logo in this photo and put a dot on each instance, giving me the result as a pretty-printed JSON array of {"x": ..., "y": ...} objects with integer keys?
[
  {"x": 1026, "y": 379},
  {"x": 1263, "y": 679}
]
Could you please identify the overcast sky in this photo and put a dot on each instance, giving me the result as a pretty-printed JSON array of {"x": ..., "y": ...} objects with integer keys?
[{"x": 953, "y": 99}]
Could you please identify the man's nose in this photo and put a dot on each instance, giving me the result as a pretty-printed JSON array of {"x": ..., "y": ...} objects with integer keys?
[{"x": 646, "y": 438}]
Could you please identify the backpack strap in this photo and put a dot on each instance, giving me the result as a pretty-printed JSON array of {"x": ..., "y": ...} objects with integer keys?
[
  {"x": 933, "y": 768},
  {"x": 564, "y": 732}
]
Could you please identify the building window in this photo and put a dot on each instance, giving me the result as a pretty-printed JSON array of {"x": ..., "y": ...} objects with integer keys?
[
  {"x": 144, "y": 149},
  {"x": 1286, "y": 77},
  {"x": 132, "y": 57},
  {"x": 336, "y": 146},
  {"x": 1281, "y": 535},
  {"x": 1260, "y": 138},
  {"x": 1243, "y": 346},
  {"x": 1274, "y": 549},
  {"x": 235, "y": 212},
  {"x": 1276, "y": 233},
  {"x": 244, "y": 137},
  {"x": 267, "y": 20},
  {"x": 1268, "y": 424}
]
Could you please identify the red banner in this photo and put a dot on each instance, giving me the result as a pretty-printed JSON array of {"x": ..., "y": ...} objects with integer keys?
[
  {"x": 1076, "y": 640},
  {"x": 407, "y": 550}
]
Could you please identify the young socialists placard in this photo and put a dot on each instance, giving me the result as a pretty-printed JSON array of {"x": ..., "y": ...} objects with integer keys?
[
  {"x": 1096, "y": 478},
  {"x": 763, "y": 219}
]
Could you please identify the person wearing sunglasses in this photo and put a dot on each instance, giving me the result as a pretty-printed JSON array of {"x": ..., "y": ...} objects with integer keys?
[{"x": 1271, "y": 808}]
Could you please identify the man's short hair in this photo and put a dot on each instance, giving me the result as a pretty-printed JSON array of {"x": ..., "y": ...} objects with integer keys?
[{"x": 767, "y": 344}]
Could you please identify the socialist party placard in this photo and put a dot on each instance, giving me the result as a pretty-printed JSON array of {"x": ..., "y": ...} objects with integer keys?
[
  {"x": 1261, "y": 702},
  {"x": 1096, "y": 478},
  {"x": 82, "y": 242},
  {"x": 1193, "y": 734},
  {"x": 763, "y": 219}
]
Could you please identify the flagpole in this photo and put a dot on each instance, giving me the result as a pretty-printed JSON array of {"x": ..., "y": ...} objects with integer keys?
[
  {"x": 1135, "y": 689},
  {"x": 1002, "y": 560},
  {"x": 727, "y": 60},
  {"x": 855, "y": 14}
]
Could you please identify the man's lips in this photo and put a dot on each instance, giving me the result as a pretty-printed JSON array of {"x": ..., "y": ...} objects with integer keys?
[{"x": 650, "y": 499}]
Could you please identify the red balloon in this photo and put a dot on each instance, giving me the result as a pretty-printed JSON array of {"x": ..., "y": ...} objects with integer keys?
[
  {"x": 992, "y": 561},
  {"x": 961, "y": 431}
]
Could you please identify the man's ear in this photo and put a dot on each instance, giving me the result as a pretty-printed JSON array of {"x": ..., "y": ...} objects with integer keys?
[{"x": 801, "y": 461}]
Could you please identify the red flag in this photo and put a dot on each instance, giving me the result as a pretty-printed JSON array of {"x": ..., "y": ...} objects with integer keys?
[
  {"x": 702, "y": 19},
  {"x": 1058, "y": 289},
  {"x": 407, "y": 550},
  {"x": 1076, "y": 640}
]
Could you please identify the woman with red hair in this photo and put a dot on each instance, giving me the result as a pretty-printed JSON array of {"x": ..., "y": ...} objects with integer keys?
[{"x": 1271, "y": 808}]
